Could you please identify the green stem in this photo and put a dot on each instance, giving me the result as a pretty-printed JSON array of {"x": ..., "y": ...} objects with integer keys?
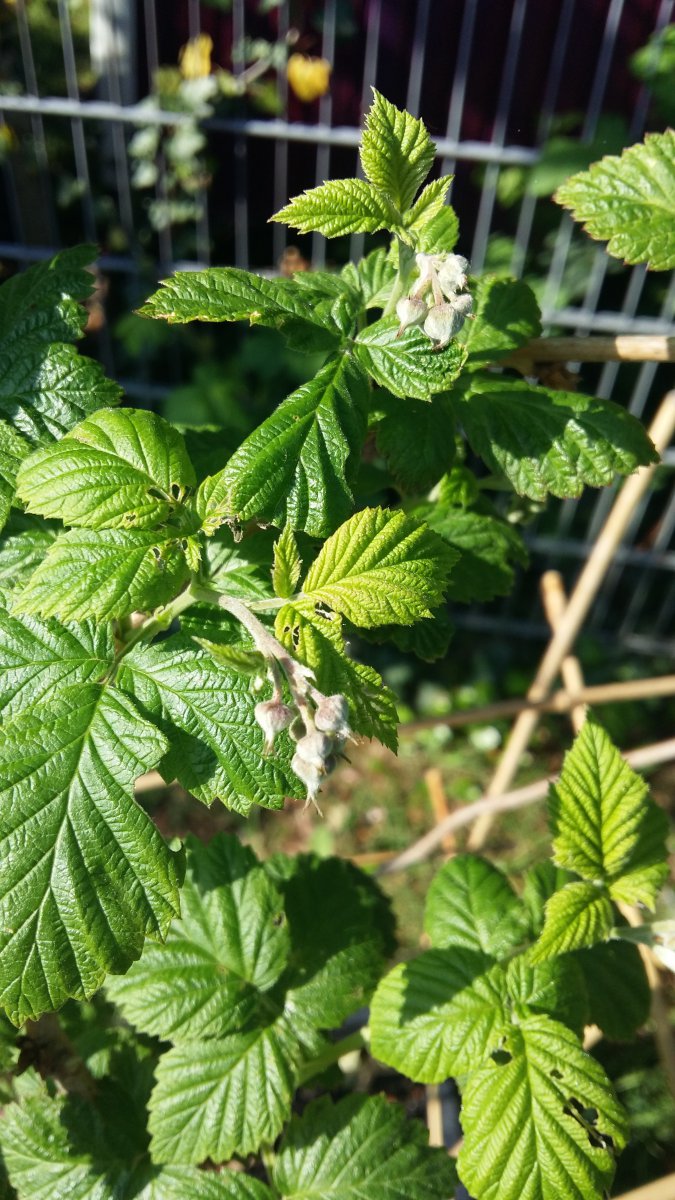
[
  {"x": 332, "y": 1053},
  {"x": 159, "y": 621},
  {"x": 400, "y": 284}
]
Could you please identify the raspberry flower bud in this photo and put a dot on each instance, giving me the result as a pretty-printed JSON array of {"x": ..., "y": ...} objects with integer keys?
[
  {"x": 442, "y": 323},
  {"x": 272, "y": 717},
  {"x": 308, "y": 775},
  {"x": 332, "y": 716},
  {"x": 314, "y": 748},
  {"x": 410, "y": 312},
  {"x": 452, "y": 275}
]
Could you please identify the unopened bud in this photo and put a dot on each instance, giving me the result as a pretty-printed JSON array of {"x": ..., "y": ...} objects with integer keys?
[
  {"x": 308, "y": 775},
  {"x": 452, "y": 274},
  {"x": 272, "y": 717},
  {"x": 410, "y": 312},
  {"x": 442, "y": 323},
  {"x": 332, "y": 716},
  {"x": 314, "y": 748}
]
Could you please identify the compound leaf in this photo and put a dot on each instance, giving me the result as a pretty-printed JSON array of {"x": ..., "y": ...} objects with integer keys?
[
  {"x": 380, "y": 568},
  {"x": 407, "y": 365},
  {"x": 605, "y": 825},
  {"x": 396, "y": 151},
  {"x": 229, "y": 294},
  {"x": 87, "y": 874},
  {"x": 361, "y": 1146},
  {"x": 471, "y": 904},
  {"x": 298, "y": 467},
  {"x": 550, "y": 441},
  {"x": 216, "y": 747},
  {"x": 580, "y": 914},
  {"x": 540, "y": 1120},
  {"x": 629, "y": 201},
  {"x": 317, "y": 641},
  {"x": 118, "y": 468},
  {"x": 439, "y": 1014},
  {"x": 506, "y": 315},
  {"x": 105, "y": 573},
  {"x": 227, "y": 949},
  {"x": 339, "y": 206}
]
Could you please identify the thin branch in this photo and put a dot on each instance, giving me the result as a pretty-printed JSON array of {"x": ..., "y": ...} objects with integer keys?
[
  {"x": 644, "y": 756},
  {"x": 632, "y": 347}
]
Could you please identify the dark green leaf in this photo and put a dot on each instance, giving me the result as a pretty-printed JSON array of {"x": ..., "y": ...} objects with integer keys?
[
  {"x": 506, "y": 316},
  {"x": 618, "y": 991},
  {"x": 417, "y": 439}
]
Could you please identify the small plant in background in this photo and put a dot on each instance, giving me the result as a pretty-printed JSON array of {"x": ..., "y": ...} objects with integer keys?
[{"x": 160, "y": 615}]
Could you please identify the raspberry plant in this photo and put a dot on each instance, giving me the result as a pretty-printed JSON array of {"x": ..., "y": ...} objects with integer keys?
[{"x": 155, "y": 618}]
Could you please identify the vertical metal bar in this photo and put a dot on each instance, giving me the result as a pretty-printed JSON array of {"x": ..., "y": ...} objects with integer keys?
[
  {"x": 280, "y": 233},
  {"x": 489, "y": 189},
  {"x": 13, "y": 205},
  {"x": 164, "y": 236},
  {"x": 76, "y": 125},
  {"x": 458, "y": 93},
  {"x": 241, "y": 256},
  {"x": 202, "y": 233},
  {"x": 194, "y": 19},
  {"x": 325, "y": 113},
  {"x": 37, "y": 125},
  {"x": 555, "y": 70},
  {"x": 417, "y": 56},
  {"x": 370, "y": 58}
]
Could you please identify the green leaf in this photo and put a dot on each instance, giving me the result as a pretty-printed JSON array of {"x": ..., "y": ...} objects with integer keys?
[
  {"x": 298, "y": 467},
  {"x": 341, "y": 931},
  {"x": 317, "y": 641},
  {"x": 429, "y": 203},
  {"x": 409, "y": 365},
  {"x": 605, "y": 825},
  {"x": 13, "y": 449},
  {"x": 287, "y": 564},
  {"x": 547, "y": 441},
  {"x": 506, "y": 316},
  {"x": 227, "y": 949},
  {"x": 87, "y": 874},
  {"x": 471, "y": 904},
  {"x": 117, "y": 469},
  {"x": 374, "y": 276},
  {"x": 556, "y": 987},
  {"x": 41, "y": 302},
  {"x": 540, "y": 1120},
  {"x": 630, "y": 201},
  {"x": 396, "y": 151},
  {"x": 23, "y": 544},
  {"x": 488, "y": 550},
  {"x": 417, "y": 439},
  {"x": 229, "y": 294},
  {"x": 216, "y": 747},
  {"x": 337, "y": 207},
  {"x": 46, "y": 389},
  {"x": 581, "y": 914},
  {"x": 439, "y": 1014},
  {"x": 618, "y": 990},
  {"x": 440, "y": 235},
  {"x": 38, "y": 658},
  {"x": 428, "y": 639},
  {"x": 105, "y": 573},
  {"x": 539, "y": 884},
  {"x": 379, "y": 568},
  {"x": 360, "y": 1147}
]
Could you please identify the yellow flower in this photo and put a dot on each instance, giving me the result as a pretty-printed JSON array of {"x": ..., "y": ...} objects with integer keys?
[
  {"x": 309, "y": 77},
  {"x": 195, "y": 57}
]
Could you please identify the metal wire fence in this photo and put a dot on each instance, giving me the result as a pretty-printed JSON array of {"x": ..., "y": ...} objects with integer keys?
[{"x": 490, "y": 77}]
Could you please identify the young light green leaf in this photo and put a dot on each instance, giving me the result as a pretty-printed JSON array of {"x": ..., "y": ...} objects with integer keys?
[
  {"x": 409, "y": 365},
  {"x": 87, "y": 874},
  {"x": 605, "y": 825},
  {"x": 216, "y": 747},
  {"x": 380, "y": 568},
  {"x": 417, "y": 439},
  {"x": 506, "y": 316},
  {"x": 547, "y": 441},
  {"x": 618, "y": 990},
  {"x": 630, "y": 201},
  {"x": 471, "y": 904},
  {"x": 373, "y": 275},
  {"x": 316, "y": 639},
  {"x": 38, "y": 658},
  {"x": 396, "y": 151},
  {"x": 540, "y": 1120},
  {"x": 488, "y": 547},
  {"x": 221, "y": 957},
  {"x": 119, "y": 468},
  {"x": 361, "y": 1146},
  {"x": 428, "y": 205},
  {"x": 287, "y": 564},
  {"x": 338, "y": 207},
  {"x": 441, "y": 234},
  {"x": 105, "y": 573},
  {"x": 580, "y": 914},
  {"x": 229, "y": 294},
  {"x": 440, "y": 1014},
  {"x": 539, "y": 884},
  {"x": 298, "y": 467},
  {"x": 556, "y": 987}
]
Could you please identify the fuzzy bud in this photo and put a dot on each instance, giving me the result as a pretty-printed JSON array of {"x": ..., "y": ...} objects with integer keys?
[
  {"x": 410, "y": 312},
  {"x": 272, "y": 717},
  {"x": 452, "y": 275},
  {"x": 308, "y": 775},
  {"x": 314, "y": 748},
  {"x": 332, "y": 716},
  {"x": 442, "y": 323}
]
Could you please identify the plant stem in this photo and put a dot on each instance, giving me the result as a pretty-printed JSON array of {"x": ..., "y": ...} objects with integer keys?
[
  {"x": 400, "y": 281},
  {"x": 157, "y": 622},
  {"x": 333, "y": 1052}
]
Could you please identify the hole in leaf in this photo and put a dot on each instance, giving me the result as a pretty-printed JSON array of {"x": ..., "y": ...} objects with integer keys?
[
  {"x": 556, "y": 1074},
  {"x": 587, "y": 1119},
  {"x": 501, "y": 1057},
  {"x": 176, "y": 491},
  {"x": 279, "y": 919},
  {"x": 155, "y": 493},
  {"x": 295, "y": 637}
]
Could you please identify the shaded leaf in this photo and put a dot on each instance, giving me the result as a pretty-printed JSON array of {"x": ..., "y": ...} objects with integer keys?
[
  {"x": 506, "y": 316},
  {"x": 417, "y": 439}
]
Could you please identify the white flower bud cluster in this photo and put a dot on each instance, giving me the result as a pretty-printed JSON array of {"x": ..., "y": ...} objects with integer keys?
[
  {"x": 319, "y": 726},
  {"x": 437, "y": 300}
]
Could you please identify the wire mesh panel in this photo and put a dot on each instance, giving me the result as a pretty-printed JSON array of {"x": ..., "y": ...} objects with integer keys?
[{"x": 96, "y": 114}]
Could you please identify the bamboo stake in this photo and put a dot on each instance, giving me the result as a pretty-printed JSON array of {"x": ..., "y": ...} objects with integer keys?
[
  {"x": 439, "y": 804},
  {"x": 586, "y": 589},
  {"x": 554, "y": 601},
  {"x": 630, "y": 347},
  {"x": 659, "y": 1189},
  {"x": 659, "y": 1008}
]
